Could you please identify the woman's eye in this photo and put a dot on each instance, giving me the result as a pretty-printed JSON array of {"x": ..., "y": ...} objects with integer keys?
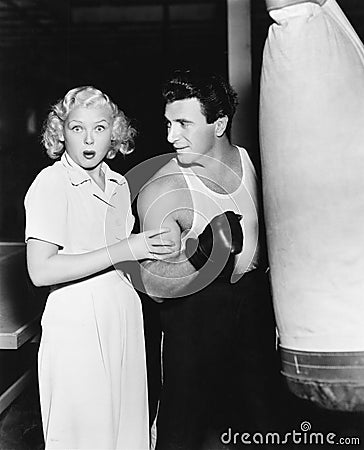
[
  {"x": 100, "y": 128},
  {"x": 76, "y": 128}
]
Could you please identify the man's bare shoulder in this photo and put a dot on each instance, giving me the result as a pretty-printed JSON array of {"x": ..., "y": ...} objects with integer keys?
[
  {"x": 166, "y": 197},
  {"x": 169, "y": 177}
]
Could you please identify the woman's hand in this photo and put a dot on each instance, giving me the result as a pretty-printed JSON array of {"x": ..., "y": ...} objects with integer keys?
[{"x": 150, "y": 245}]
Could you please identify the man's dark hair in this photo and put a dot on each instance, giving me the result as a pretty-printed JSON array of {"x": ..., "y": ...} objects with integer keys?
[{"x": 216, "y": 96}]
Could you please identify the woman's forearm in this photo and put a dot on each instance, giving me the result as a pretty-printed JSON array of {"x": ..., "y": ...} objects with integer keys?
[{"x": 47, "y": 269}]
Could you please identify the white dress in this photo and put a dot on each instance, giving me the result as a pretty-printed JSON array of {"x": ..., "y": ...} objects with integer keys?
[{"x": 92, "y": 371}]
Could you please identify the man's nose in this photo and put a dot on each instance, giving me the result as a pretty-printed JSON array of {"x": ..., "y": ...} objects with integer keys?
[
  {"x": 89, "y": 138},
  {"x": 172, "y": 134}
]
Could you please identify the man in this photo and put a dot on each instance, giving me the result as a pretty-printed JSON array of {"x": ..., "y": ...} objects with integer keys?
[{"x": 213, "y": 291}]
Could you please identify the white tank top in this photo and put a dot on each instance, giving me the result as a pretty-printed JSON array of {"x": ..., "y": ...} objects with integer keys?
[{"x": 244, "y": 200}]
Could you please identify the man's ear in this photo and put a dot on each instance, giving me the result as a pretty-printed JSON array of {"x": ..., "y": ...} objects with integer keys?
[{"x": 220, "y": 126}]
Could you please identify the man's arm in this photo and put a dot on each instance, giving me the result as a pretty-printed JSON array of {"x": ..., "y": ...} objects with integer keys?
[{"x": 159, "y": 205}]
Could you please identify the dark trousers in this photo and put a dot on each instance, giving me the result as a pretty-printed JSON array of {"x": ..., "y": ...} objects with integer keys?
[{"x": 219, "y": 363}]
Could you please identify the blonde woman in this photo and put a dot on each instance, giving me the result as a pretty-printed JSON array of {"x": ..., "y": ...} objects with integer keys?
[{"x": 92, "y": 373}]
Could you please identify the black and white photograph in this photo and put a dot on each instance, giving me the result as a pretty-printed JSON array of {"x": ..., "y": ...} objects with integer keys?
[{"x": 181, "y": 224}]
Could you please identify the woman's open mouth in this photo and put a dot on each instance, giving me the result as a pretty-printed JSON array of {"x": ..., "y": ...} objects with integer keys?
[{"x": 89, "y": 154}]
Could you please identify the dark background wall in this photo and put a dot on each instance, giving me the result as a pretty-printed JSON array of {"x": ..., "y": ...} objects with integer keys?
[{"x": 123, "y": 47}]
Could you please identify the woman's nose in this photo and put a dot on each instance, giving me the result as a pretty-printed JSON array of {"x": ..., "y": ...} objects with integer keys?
[{"x": 89, "y": 139}]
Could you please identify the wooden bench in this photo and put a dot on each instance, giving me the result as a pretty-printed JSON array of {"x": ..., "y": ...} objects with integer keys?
[{"x": 21, "y": 306}]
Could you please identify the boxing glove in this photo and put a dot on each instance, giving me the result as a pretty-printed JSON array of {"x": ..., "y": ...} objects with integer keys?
[{"x": 221, "y": 239}]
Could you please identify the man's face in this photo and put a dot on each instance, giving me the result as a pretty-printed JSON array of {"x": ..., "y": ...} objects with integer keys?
[{"x": 188, "y": 130}]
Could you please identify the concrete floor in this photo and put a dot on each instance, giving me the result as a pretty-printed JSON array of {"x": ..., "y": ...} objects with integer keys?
[{"x": 20, "y": 423}]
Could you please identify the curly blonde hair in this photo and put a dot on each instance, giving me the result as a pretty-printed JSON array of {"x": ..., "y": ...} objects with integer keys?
[{"x": 86, "y": 96}]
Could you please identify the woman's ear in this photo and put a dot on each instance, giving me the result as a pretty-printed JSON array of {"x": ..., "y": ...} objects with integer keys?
[{"x": 220, "y": 126}]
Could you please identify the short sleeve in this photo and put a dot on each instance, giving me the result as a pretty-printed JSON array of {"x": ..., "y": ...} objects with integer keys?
[{"x": 46, "y": 208}]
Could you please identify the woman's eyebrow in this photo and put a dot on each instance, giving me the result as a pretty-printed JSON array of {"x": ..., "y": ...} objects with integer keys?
[{"x": 97, "y": 121}]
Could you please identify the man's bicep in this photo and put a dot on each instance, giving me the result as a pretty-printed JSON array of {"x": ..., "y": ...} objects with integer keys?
[{"x": 157, "y": 210}]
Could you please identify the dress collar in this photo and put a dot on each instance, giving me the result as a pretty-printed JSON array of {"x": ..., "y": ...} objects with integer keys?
[{"x": 79, "y": 176}]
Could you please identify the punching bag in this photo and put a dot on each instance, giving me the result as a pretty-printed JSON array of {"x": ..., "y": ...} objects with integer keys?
[{"x": 312, "y": 152}]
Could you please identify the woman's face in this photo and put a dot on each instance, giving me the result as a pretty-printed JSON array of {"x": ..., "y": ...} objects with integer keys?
[{"x": 87, "y": 134}]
